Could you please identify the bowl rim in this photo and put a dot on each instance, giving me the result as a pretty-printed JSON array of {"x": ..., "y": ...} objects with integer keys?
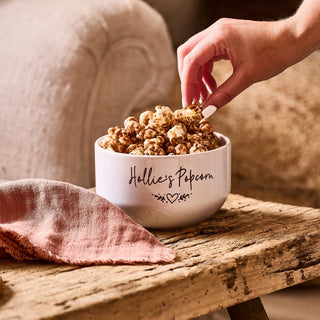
[{"x": 221, "y": 137}]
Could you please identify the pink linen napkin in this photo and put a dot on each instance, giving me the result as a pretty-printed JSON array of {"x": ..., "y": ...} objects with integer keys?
[{"x": 63, "y": 223}]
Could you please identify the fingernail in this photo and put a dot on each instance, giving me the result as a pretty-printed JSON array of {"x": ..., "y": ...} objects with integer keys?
[{"x": 209, "y": 111}]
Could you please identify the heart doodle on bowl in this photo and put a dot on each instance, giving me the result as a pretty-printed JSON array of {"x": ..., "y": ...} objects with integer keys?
[{"x": 172, "y": 197}]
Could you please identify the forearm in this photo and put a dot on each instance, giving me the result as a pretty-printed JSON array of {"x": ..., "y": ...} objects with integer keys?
[{"x": 305, "y": 25}]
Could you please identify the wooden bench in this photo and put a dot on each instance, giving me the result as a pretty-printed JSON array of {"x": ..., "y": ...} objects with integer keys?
[{"x": 248, "y": 249}]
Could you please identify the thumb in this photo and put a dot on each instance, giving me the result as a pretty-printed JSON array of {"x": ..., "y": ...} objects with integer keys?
[{"x": 233, "y": 86}]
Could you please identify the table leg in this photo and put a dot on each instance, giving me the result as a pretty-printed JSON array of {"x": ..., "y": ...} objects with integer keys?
[{"x": 248, "y": 310}]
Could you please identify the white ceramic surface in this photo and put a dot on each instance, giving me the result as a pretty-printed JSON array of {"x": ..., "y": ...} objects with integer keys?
[{"x": 165, "y": 191}]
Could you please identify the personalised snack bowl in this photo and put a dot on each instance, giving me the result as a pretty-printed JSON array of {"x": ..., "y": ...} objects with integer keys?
[{"x": 165, "y": 191}]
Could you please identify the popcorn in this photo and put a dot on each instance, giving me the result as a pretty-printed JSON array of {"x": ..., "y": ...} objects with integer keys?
[
  {"x": 198, "y": 148},
  {"x": 193, "y": 113},
  {"x": 145, "y": 117},
  {"x": 204, "y": 126},
  {"x": 105, "y": 141},
  {"x": 132, "y": 125},
  {"x": 163, "y": 116},
  {"x": 115, "y": 131},
  {"x": 133, "y": 147},
  {"x": 125, "y": 141},
  {"x": 160, "y": 140},
  {"x": 194, "y": 138},
  {"x": 162, "y": 132},
  {"x": 116, "y": 146},
  {"x": 147, "y": 133},
  {"x": 138, "y": 150},
  {"x": 189, "y": 116},
  {"x": 181, "y": 148},
  {"x": 177, "y": 133},
  {"x": 170, "y": 148},
  {"x": 154, "y": 150}
]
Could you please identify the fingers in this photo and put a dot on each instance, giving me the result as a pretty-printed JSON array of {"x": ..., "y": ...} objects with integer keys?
[
  {"x": 196, "y": 94},
  {"x": 207, "y": 77},
  {"x": 197, "y": 88},
  {"x": 249, "y": 45},
  {"x": 233, "y": 86},
  {"x": 203, "y": 91},
  {"x": 185, "y": 48},
  {"x": 200, "y": 56},
  {"x": 197, "y": 79}
]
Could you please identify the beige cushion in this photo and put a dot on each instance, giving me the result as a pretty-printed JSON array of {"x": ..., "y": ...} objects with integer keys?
[{"x": 68, "y": 71}]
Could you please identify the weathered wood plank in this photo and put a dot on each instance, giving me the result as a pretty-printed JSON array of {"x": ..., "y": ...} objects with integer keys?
[{"x": 249, "y": 248}]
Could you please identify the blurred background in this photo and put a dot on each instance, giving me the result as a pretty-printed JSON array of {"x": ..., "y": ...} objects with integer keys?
[{"x": 187, "y": 17}]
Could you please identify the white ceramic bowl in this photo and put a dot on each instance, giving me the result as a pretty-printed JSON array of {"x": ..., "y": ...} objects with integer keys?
[{"x": 165, "y": 191}]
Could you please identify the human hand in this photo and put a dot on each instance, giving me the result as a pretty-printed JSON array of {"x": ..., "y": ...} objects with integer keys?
[{"x": 257, "y": 51}]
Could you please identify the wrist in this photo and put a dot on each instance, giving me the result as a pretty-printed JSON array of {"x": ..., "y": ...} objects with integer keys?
[{"x": 305, "y": 26}]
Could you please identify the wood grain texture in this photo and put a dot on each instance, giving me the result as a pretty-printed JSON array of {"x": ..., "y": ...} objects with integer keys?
[{"x": 248, "y": 249}]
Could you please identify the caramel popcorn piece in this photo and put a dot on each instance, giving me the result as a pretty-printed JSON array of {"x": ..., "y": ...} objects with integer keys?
[
  {"x": 159, "y": 140},
  {"x": 170, "y": 148},
  {"x": 204, "y": 126},
  {"x": 137, "y": 151},
  {"x": 194, "y": 138},
  {"x": 147, "y": 133},
  {"x": 116, "y": 146},
  {"x": 145, "y": 117},
  {"x": 132, "y": 125},
  {"x": 154, "y": 150},
  {"x": 163, "y": 116},
  {"x": 131, "y": 147},
  {"x": 177, "y": 133},
  {"x": 214, "y": 141},
  {"x": 162, "y": 132},
  {"x": 105, "y": 141},
  {"x": 193, "y": 127},
  {"x": 190, "y": 115},
  {"x": 115, "y": 131},
  {"x": 125, "y": 141},
  {"x": 181, "y": 148}
]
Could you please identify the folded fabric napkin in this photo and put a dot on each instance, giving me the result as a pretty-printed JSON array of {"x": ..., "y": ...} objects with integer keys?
[{"x": 63, "y": 223}]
